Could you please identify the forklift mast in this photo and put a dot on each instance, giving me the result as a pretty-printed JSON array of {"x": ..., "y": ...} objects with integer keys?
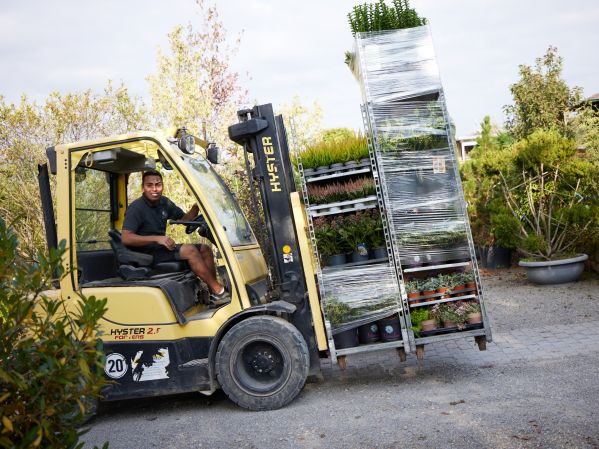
[{"x": 263, "y": 135}]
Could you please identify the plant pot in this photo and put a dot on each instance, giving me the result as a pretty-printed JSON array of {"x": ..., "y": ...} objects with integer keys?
[
  {"x": 458, "y": 289},
  {"x": 308, "y": 171},
  {"x": 555, "y": 271},
  {"x": 429, "y": 325},
  {"x": 350, "y": 164},
  {"x": 414, "y": 297},
  {"x": 378, "y": 253},
  {"x": 360, "y": 254},
  {"x": 346, "y": 339},
  {"x": 495, "y": 257},
  {"x": 336, "y": 259},
  {"x": 429, "y": 293},
  {"x": 470, "y": 285},
  {"x": 365, "y": 161},
  {"x": 447, "y": 323},
  {"x": 321, "y": 169},
  {"x": 443, "y": 290},
  {"x": 389, "y": 328},
  {"x": 337, "y": 165},
  {"x": 475, "y": 318},
  {"x": 368, "y": 333}
]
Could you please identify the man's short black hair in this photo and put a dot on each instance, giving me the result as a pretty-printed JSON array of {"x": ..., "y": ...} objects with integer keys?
[{"x": 150, "y": 173}]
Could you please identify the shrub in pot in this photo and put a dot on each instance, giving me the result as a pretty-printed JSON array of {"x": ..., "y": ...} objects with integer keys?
[
  {"x": 417, "y": 317},
  {"x": 339, "y": 313},
  {"x": 553, "y": 200},
  {"x": 413, "y": 292},
  {"x": 429, "y": 287},
  {"x": 355, "y": 230},
  {"x": 376, "y": 238},
  {"x": 329, "y": 244},
  {"x": 473, "y": 314},
  {"x": 453, "y": 314}
]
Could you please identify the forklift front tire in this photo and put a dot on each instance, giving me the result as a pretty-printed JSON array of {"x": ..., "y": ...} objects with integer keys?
[{"x": 262, "y": 363}]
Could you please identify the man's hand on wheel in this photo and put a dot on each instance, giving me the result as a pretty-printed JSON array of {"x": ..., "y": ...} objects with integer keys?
[{"x": 167, "y": 242}]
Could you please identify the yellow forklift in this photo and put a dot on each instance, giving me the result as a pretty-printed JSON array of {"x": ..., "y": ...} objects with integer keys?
[{"x": 160, "y": 334}]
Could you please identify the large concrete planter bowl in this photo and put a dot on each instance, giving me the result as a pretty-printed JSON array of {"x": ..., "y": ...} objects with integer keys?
[{"x": 555, "y": 271}]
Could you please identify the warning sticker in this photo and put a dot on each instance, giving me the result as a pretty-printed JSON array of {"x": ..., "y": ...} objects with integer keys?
[
  {"x": 150, "y": 366},
  {"x": 116, "y": 365}
]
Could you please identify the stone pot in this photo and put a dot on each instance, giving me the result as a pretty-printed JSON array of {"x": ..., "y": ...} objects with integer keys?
[{"x": 555, "y": 271}]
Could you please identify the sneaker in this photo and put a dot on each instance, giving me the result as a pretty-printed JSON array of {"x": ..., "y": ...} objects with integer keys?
[{"x": 220, "y": 299}]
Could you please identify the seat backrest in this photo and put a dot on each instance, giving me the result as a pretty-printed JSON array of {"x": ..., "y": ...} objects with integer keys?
[{"x": 125, "y": 256}]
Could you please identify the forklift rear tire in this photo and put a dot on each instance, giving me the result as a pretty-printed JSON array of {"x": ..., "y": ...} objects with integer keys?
[{"x": 262, "y": 363}]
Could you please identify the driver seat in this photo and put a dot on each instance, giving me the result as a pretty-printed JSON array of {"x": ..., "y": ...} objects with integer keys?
[{"x": 132, "y": 265}]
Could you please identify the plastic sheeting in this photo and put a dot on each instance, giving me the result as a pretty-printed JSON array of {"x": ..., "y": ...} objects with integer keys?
[
  {"x": 402, "y": 91},
  {"x": 359, "y": 295}
]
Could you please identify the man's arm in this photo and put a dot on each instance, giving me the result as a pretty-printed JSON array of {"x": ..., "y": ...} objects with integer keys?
[
  {"x": 193, "y": 212},
  {"x": 130, "y": 238}
]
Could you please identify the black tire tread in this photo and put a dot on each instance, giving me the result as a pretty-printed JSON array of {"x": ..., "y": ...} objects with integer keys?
[{"x": 281, "y": 329}]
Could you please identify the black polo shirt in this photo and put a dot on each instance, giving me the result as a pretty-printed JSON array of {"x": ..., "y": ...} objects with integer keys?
[{"x": 144, "y": 218}]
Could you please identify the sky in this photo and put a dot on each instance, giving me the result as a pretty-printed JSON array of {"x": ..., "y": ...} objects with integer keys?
[{"x": 293, "y": 48}]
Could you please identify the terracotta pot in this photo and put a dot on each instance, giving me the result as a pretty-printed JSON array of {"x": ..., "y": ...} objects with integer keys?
[
  {"x": 443, "y": 290},
  {"x": 471, "y": 284},
  {"x": 458, "y": 288},
  {"x": 449, "y": 324},
  {"x": 428, "y": 293},
  {"x": 414, "y": 297},
  {"x": 475, "y": 318},
  {"x": 429, "y": 325}
]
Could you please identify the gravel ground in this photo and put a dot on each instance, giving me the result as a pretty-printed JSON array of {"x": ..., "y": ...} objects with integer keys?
[{"x": 546, "y": 398}]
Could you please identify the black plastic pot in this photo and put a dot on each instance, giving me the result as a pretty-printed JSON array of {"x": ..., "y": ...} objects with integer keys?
[
  {"x": 336, "y": 259},
  {"x": 357, "y": 257},
  {"x": 368, "y": 333},
  {"x": 495, "y": 257},
  {"x": 378, "y": 253},
  {"x": 389, "y": 328},
  {"x": 346, "y": 339}
]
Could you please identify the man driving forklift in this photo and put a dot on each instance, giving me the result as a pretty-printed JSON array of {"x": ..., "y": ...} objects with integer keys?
[{"x": 144, "y": 230}]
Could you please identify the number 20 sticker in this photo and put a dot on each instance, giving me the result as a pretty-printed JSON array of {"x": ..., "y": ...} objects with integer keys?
[{"x": 116, "y": 365}]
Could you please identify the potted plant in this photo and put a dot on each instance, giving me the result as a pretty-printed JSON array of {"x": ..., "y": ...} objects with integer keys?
[
  {"x": 376, "y": 238},
  {"x": 355, "y": 230},
  {"x": 453, "y": 314},
  {"x": 459, "y": 284},
  {"x": 553, "y": 199},
  {"x": 428, "y": 288},
  {"x": 468, "y": 280},
  {"x": 339, "y": 313},
  {"x": 328, "y": 242},
  {"x": 413, "y": 291},
  {"x": 473, "y": 314},
  {"x": 417, "y": 317},
  {"x": 444, "y": 284}
]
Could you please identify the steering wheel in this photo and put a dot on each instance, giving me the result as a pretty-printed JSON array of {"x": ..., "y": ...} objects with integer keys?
[{"x": 201, "y": 226}]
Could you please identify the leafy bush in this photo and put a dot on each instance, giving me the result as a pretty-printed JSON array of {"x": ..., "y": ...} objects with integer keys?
[
  {"x": 552, "y": 195},
  {"x": 51, "y": 366},
  {"x": 378, "y": 17}
]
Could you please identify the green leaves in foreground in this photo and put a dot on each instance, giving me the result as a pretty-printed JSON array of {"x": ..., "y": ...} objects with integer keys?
[{"x": 51, "y": 366}]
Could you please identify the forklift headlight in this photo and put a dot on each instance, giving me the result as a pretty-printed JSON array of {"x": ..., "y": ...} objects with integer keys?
[{"x": 186, "y": 143}]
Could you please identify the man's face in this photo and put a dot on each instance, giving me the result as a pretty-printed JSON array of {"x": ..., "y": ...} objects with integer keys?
[{"x": 152, "y": 188}]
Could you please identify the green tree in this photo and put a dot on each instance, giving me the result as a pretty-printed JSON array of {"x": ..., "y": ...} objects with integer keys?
[
  {"x": 542, "y": 99},
  {"x": 303, "y": 122},
  {"x": 27, "y": 128},
  {"x": 194, "y": 85},
  {"x": 51, "y": 366}
]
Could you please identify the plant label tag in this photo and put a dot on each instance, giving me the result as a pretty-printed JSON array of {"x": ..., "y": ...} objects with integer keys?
[
  {"x": 288, "y": 258},
  {"x": 438, "y": 164}
]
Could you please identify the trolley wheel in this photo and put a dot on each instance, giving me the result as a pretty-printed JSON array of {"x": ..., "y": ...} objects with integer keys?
[
  {"x": 262, "y": 363},
  {"x": 481, "y": 341},
  {"x": 402, "y": 354},
  {"x": 341, "y": 362},
  {"x": 420, "y": 352}
]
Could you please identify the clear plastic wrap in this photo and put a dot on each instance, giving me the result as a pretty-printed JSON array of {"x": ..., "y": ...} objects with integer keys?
[
  {"x": 402, "y": 90},
  {"x": 398, "y": 64},
  {"x": 359, "y": 295}
]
